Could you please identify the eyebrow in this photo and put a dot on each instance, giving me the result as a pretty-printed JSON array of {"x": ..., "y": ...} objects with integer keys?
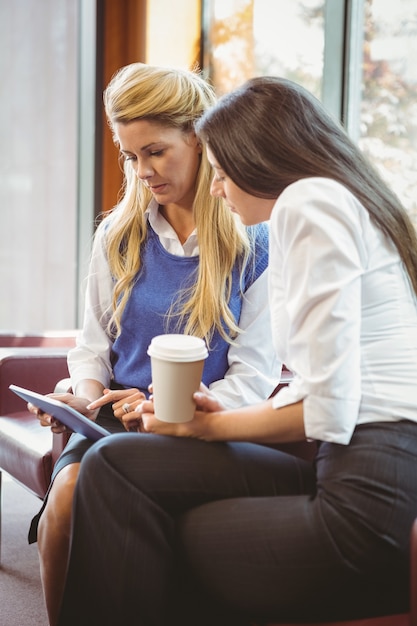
[{"x": 143, "y": 148}]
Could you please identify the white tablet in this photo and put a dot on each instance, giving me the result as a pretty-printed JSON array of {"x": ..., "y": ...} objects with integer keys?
[{"x": 67, "y": 415}]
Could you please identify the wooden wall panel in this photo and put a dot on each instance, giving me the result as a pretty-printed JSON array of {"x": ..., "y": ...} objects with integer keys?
[
  {"x": 123, "y": 37},
  {"x": 121, "y": 40}
]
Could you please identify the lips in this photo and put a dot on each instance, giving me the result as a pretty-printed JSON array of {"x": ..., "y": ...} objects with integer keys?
[{"x": 157, "y": 188}]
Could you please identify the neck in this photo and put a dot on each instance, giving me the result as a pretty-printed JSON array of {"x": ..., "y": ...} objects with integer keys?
[{"x": 181, "y": 220}]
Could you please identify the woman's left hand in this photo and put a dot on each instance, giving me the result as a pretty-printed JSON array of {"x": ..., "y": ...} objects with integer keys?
[
  {"x": 206, "y": 403},
  {"x": 123, "y": 402}
]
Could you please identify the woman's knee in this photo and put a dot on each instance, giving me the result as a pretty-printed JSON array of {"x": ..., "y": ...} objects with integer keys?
[{"x": 59, "y": 504}]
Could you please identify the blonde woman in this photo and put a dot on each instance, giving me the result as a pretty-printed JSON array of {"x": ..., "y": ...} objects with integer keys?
[{"x": 168, "y": 258}]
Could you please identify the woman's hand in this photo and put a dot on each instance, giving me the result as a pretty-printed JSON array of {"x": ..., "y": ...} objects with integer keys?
[
  {"x": 77, "y": 403},
  {"x": 146, "y": 420},
  {"x": 260, "y": 423},
  {"x": 123, "y": 402}
]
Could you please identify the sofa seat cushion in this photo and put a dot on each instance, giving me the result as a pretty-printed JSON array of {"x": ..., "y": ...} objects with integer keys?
[{"x": 25, "y": 451}]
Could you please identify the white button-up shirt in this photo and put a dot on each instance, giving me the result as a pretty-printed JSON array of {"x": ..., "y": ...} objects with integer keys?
[{"x": 344, "y": 314}]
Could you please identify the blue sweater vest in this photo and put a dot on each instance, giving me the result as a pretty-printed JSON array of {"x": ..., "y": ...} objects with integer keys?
[{"x": 161, "y": 277}]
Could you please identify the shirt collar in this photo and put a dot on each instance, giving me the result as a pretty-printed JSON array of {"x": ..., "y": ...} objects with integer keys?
[{"x": 167, "y": 235}]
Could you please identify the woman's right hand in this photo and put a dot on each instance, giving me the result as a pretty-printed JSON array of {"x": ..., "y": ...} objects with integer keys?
[{"x": 77, "y": 403}]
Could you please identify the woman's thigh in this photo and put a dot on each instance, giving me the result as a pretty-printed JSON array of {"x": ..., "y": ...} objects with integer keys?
[
  {"x": 254, "y": 536},
  {"x": 131, "y": 490},
  {"x": 340, "y": 554},
  {"x": 270, "y": 558},
  {"x": 178, "y": 474}
]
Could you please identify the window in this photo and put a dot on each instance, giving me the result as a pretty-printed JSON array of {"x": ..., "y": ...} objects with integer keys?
[
  {"x": 247, "y": 38},
  {"x": 356, "y": 55},
  {"x": 38, "y": 109},
  {"x": 387, "y": 125}
]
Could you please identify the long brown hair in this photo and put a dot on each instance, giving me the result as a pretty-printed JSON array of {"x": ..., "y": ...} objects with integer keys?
[{"x": 271, "y": 132}]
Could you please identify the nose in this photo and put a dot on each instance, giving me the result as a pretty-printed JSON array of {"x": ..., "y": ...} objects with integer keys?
[
  {"x": 143, "y": 169},
  {"x": 216, "y": 188}
]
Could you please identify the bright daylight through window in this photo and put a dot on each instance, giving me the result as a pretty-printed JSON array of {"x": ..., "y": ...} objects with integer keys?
[{"x": 287, "y": 38}]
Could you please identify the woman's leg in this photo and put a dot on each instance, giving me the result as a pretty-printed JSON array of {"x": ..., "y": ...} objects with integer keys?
[
  {"x": 52, "y": 526},
  {"x": 343, "y": 554},
  {"x": 53, "y": 538},
  {"x": 130, "y": 493},
  {"x": 160, "y": 521}
]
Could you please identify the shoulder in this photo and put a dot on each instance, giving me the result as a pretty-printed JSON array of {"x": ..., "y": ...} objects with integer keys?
[
  {"x": 315, "y": 188},
  {"x": 321, "y": 214},
  {"x": 317, "y": 200},
  {"x": 100, "y": 233},
  {"x": 105, "y": 224}
]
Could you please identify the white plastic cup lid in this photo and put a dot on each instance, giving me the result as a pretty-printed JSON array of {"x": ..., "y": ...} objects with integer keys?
[{"x": 177, "y": 347}]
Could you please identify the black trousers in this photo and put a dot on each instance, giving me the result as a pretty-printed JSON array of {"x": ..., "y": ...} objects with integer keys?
[{"x": 174, "y": 531}]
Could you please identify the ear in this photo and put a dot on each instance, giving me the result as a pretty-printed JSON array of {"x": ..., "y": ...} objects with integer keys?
[{"x": 193, "y": 140}]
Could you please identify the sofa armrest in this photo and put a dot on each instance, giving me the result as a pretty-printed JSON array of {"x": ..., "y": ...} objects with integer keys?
[
  {"x": 57, "y": 339},
  {"x": 37, "y": 369}
]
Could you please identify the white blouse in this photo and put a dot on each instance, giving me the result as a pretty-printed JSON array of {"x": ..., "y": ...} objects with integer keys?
[
  {"x": 254, "y": 370},
  {"x": 344, "y": 314}
]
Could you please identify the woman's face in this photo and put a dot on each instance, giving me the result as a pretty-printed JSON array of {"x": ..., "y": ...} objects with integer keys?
[
  {"x": 251, "y": 210},
  {"x": 165, "y": 159}
]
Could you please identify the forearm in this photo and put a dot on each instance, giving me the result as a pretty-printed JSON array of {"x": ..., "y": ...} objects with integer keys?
[
  {"x": 259, "y": 424},
  {"x": 89, "y": 389}
]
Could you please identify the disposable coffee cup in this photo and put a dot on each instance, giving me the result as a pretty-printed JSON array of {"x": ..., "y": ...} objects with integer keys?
[{"x": 177, "y": 363}]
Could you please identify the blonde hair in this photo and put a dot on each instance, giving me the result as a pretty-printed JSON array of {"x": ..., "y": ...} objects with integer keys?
[{"x": 175, "y": 98}]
